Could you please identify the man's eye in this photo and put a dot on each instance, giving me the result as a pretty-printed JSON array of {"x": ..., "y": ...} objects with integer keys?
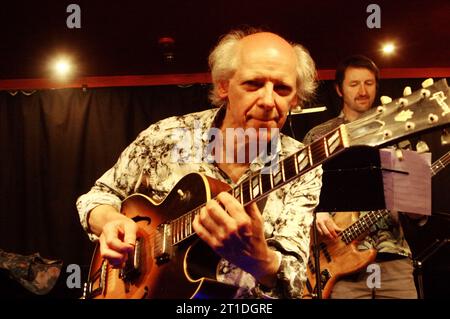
[
  {"x": 283, "y": 89},
  {"x": 252, "y": 84}
]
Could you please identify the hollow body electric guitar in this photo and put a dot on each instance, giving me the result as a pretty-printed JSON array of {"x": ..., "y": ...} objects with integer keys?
[
  {"x": 341, "y": 257},
  {"x": 169, "y": 261}
]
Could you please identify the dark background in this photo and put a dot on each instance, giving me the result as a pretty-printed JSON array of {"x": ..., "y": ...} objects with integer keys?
[
  {"x": 55, "y": 143},
  {"x": 121, "y": 37}
]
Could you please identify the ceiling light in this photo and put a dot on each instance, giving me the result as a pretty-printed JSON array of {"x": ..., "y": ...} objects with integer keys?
[
  {"x": 388, "y": 48},
  {"x": 62, "y": 67}
]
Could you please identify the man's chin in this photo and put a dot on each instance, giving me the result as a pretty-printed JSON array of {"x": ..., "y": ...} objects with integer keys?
[{"x": 364, "y": 106}]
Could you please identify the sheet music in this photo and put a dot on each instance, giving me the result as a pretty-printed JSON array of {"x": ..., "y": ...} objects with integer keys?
[{"x": 407, "y": 181}]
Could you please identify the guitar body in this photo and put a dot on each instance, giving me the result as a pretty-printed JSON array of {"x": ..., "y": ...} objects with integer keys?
[
  {"x": 337, "y": 259},
  {"x": 187, "y": 270}
]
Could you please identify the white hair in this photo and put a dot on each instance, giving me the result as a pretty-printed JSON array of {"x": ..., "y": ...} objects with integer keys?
[{"x": 223, "y": 63}]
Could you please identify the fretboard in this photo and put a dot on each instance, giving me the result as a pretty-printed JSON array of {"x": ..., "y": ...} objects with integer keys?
[
  {"x": 362, "y": 225},
  {"x": 440, "y": 164},
  {"x": 272, "y": 177}
]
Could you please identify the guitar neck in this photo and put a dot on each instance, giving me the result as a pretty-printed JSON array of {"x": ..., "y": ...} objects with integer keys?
[
  {"x": 421, "y": 110},
  {"x": 362, "y": 225},
  {"x": 272, "y": 177},
  {"x": 440, "y": 164},
  {"x": 277, "y": 174}
]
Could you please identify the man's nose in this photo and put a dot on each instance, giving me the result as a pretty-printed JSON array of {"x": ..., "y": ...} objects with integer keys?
[
  {"x": 267, "y": 96},
  {"x": 362, "y": 90}
]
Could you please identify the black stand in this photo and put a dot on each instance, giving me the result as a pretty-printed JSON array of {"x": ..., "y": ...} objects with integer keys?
[
  {"x": 424, "y": 255},
  {"x": 352, "y": 180},
  {"x": 317, "y": 291}
]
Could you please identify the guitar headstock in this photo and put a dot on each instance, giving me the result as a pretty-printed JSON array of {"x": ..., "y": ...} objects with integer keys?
[{"x": 417, "y": 112}]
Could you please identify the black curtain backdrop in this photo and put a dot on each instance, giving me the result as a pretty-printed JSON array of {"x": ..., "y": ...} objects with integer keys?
[{"x": 55, "y": 143}]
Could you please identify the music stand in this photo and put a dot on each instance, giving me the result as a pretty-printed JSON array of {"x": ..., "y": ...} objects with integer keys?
[
  {"x": 357, "y": 180},
  {"x": 424, "y": 255}
]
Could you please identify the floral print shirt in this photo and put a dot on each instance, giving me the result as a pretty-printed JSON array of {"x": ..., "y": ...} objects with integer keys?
[{"x": 156, "y": 160}]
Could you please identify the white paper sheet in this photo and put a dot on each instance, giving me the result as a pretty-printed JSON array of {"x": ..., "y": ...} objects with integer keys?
[{"x": 407, "y": 181}]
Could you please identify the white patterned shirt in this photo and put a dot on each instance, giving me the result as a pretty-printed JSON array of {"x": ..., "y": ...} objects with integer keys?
[{"x": 150, "y": 160}]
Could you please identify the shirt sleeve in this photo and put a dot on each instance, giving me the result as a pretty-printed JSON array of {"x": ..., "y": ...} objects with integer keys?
[
  {"x": 118, "y": 182},
  {"x": 291, "y": 232}
]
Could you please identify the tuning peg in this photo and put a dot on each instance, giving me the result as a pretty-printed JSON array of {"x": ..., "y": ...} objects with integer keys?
[
  {"x": 407, "y": 91},
  {"x": 381, "y": 108},
  {"x": 403, "y": 102},
  {"x": 432, "y": 118},
  {"x": 410, "y": 126},
  {"x": 445, "y": 137},
  {"x": 422, "y": 147},
  {"x": 387, "y": 134},
  {"x": 425, "y": 93},
  {"x": 385, "y": 99},
  {"x": 428, "y": 82},
  {"x": 399, "y": 154},
  {"x": 404, "y": 145}
]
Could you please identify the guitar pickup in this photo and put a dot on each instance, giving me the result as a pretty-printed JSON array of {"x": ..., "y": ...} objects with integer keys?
[
  {"x": 132, "y": 268},
  {"x": 163, "y": 246}
]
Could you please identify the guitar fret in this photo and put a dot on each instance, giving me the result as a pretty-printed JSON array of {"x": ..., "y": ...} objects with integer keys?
[
  {"x": 290, "y": 168},
  {"x": 174, "y": 231},
  {"x": 283, "y": 176},
  {"x": 237, "y": 193},
  {"x": 271, "y": 178},
  {"x": 246, "y": 194},
  {"x": 255, "y": 186},
  {"x": 241, "y": 191},
  {"x": 334, "y": 141},
  {"x": 317, "y": 153},
  {"x": 276, "y": 179},
  {"x": 265, "y": 183},
  {"x": 294, "y": 158},
  {"x": 325, "y": 147},
  {"x": 181, "y": 237},
  {"x": 184, "y": 227},
  {"x": 310, "y": 154},
  {"x": 302, "y": 159},
  {"x": 191, "y": 219},
  {"x": 261, "y": 191}
]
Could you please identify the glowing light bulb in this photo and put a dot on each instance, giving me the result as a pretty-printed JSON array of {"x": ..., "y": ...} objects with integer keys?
[
  {"x": 388, "y": 48},
  {"x": 62, "y": 67}
]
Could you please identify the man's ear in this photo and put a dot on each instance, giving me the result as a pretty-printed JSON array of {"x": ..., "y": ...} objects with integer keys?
[
  {"x": 222, "y": 89},
  {"x": 338, "y": 90}
]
